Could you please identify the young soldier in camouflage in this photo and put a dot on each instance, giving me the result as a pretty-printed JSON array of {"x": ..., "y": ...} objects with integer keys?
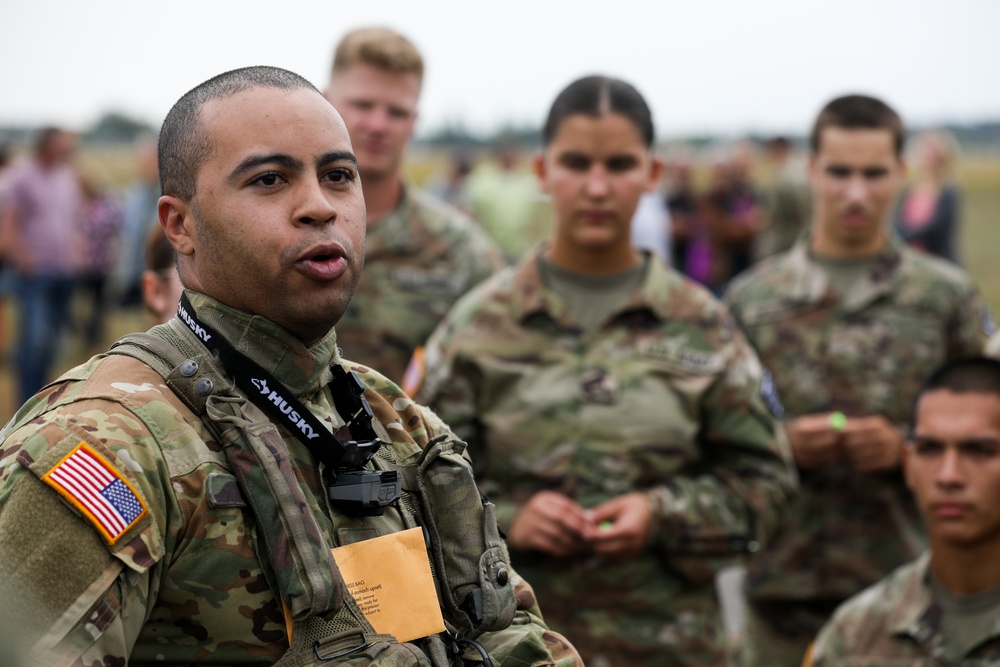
[
  {"x": 944, "y": 608},
  {"x": 849, "y": 323},
  {"x": 613, "y": 410},
  {"x": 422, "y": 254},
  {"x": 182, "y": 521}
]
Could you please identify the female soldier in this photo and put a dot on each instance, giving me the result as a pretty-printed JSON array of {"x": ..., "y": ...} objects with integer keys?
[{"x": 614, "y": 412}]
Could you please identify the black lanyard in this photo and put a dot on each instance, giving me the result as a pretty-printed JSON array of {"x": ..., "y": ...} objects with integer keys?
[{"x": 271, "y": 396}]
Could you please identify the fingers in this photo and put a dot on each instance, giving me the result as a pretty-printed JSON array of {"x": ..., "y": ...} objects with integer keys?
[
  {"x": 554, "y": 524},
  {"x": 551, "y": 523},
  {"x": 872, "y": 444},
  {"x": 621, "y": 526},
  {"x": 815, "y": 440}
]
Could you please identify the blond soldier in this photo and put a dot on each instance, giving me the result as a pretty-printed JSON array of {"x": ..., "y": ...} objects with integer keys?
[{"x": 422, "y": 254}]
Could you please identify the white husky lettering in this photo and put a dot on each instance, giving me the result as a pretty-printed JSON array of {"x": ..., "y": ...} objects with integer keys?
[
  {"x": 198, "y": 330},
  {"x": 307, "y": 430}
]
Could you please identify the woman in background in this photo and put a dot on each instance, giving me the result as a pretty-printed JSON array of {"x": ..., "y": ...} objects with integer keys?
[
  {"x": 614, "y": 413},
  {"x": 927, "y": 217}
]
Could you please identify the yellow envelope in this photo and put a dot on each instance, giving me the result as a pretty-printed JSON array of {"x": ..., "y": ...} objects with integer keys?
[{"x": 390, "y": 579}]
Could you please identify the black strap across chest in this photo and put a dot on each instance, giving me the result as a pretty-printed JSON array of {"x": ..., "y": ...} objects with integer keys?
[{"x": 275, "y": 399}]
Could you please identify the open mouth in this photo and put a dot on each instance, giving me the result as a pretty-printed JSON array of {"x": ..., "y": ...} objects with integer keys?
[{"x": 325, "y": 263}]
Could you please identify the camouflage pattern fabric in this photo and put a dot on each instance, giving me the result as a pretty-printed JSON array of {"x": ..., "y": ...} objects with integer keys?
[
  {"x": 787, "y": 203},
  {"x": 863, "y": 353},
  {"x": 664, "y": 397},
  {"x": 418, "y": 261},
  {"x": 185, "y": 583},
  {"x": 897, "y": 622}
]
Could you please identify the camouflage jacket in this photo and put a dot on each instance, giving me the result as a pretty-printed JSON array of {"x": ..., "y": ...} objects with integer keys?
[
  {"x": 896, "y": 622},
  {"x": 863, "y": 354},
  {"x": 664, "y": 397},
  {"x": 418, "y": 260},
  {"x": 184, "y": 583}
]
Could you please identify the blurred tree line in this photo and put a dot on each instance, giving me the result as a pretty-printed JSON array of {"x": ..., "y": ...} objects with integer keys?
[{"x": 116, "y": 127}]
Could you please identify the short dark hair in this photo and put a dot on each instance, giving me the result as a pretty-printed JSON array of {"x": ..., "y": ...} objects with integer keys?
[
  {"x": 969, "y": 375},
  {"x": 597, "y": 95},
  {"x": 183, "y": 145},
  {"x": 859, "y": 112}
]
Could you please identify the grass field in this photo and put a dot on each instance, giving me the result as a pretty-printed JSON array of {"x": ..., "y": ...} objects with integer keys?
[
  {"x": 978, "y": 178},
  {"x": 980, "y": 240}
]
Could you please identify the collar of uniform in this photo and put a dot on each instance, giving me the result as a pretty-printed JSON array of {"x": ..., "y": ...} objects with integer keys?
[
  {"x": 393, "y": 232},
  {"x": 659, "y": 289},
  {"x": 912, "y": 609},
  {"x": 531, "y": 296},
  {"x": 302, "y": 369},
  {"x": 810, "y": 283}
]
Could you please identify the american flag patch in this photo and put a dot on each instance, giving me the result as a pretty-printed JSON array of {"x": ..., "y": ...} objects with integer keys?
[{"x": 93, "y": 486}]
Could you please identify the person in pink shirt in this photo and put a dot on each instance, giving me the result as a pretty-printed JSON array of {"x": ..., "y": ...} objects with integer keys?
[
  {"x": 927, "y": 217},
  {"x": 40, "y": 223}
]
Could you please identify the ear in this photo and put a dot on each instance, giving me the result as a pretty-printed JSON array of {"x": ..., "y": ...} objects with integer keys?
[
  {"x": 655, "y": 173},
  {"x": 538, "y": 167},
  {"x": 174, "y": 214},
  {"x": 412, "y": 125}
]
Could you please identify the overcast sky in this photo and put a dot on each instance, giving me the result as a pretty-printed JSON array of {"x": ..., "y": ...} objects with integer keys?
[{"x": 717, "y": 66}]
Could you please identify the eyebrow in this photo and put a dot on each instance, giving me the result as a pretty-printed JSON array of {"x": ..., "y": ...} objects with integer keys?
[
  {"x": 572, "y": 155},
  {"x": 337, "y": 156},
  {"x": 254, "y": 161},
  {"x": 288, "y": 162},
  {"x": 973, "y": 440}
]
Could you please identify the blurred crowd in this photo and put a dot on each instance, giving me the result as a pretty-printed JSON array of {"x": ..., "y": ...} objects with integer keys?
[
  {"x": 717, "y": 210},
  {"x": 70, "y": 237},
  {"x": 72, "y": 248}
]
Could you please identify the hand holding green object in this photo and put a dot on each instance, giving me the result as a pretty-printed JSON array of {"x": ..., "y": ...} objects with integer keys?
[{"x": 838, "y": 420}]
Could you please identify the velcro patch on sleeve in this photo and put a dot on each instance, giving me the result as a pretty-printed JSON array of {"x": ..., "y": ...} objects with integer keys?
[
  {"x": 413, "y": 378},
  {"x": 96, "y": 488}
]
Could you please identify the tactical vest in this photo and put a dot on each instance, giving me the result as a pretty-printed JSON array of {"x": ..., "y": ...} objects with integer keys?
[{"x": 328, "y": 628}]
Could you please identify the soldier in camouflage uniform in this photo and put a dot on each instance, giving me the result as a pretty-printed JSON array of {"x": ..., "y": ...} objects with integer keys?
[
  {"x": 849, "y": 323},
  {"x": 943, "y": 608},
  {"x": 422, "y": 253},
  {"x": 153, "y": 513},
  {"x": 613, "y": 410}
]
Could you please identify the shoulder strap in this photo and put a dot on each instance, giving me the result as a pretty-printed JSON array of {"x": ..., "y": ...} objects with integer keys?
[
  {"x": 190, "y": 372},
  {"x": 292, "y": 542}
]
